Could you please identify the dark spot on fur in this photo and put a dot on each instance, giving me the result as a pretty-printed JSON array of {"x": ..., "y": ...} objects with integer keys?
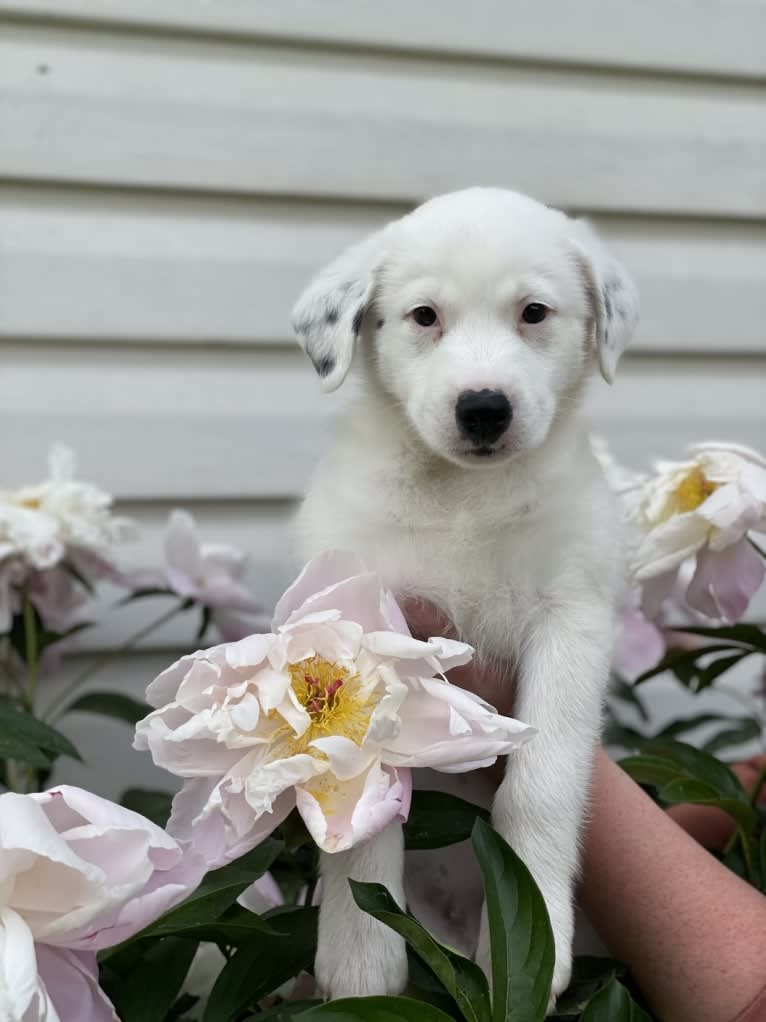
[
  {"x": 356, "y": 324},
  {"x": 380, "y": 323},
  {"x": 332, "y": 314},
  {"x": 607, "y": 300},
  {"x": 324, "y": 365}
]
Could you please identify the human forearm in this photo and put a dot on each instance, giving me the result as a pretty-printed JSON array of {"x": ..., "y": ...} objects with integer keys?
[{"x": 692, "y": 933}]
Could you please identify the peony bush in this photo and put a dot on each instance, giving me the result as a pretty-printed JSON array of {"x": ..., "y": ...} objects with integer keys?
[{"x": 200, "y": 902}]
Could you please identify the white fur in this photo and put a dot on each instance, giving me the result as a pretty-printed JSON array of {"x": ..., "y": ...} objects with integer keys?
[{"x": 520, "y": 548}]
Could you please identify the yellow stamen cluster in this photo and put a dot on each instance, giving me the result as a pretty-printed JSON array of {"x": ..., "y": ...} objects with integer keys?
[
  {"x": 331, "y": 696},
  {"x": 693, "y": 490}
]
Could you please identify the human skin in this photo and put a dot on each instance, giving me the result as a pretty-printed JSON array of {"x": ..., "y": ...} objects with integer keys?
[{"x": 692, "y": 932}]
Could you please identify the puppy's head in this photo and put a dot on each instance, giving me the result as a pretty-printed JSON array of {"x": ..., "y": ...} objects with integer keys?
[{"x": 483, "y": 310}]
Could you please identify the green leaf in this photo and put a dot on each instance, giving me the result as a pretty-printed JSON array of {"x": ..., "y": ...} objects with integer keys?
[
  {"x": 681, "y": 725},
  {"x": 589, "y": 974},
  {"x": 284, "y": 1012},
  {"x": 688, "y": 790},
  {"x": 260, "y": 966},
  {"x": 683, "y": 662},
  {"x": 206, "y": 617},
  {"x": 462, "y": 979},
  {"x": 521, "y": 938},
  {"x": 616, "y": 734},
  {"x": 23, "y": 752},
  {"x": 743, "y": 633},
  {"x": 146, "y": 992},
  {"x": 650, "y": 769},
  {"x": 423, "y": 985},
  {"x": 140, "y": 594},
  {"x": 699, "y": 765},
  {"x": 375, "y": 1009},
  {"x": 613, "y": 1003},
  {"x": 154, "y": 805},
  {"x": 437, "y": 819},
  {"x": 18, "y": 725},
  {"x": 745, "y": 730},
  {"x": 707, "y": 675},
  {"x": 626, "y": 692},
  {"x": 217, "y": 892},
  {"x": 685, "y": 774},
  {"x": 111, "y": 704}
]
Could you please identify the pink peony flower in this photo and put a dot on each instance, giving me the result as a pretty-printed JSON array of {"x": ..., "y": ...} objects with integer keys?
[
  {"x": 208, "y": 573},
  {"x": 77, "y": 873},
  {"x": 327, "y": 713}
]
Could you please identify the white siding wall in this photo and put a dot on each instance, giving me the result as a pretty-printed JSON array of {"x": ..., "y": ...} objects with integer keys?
[{"x": 171, "y": 171}]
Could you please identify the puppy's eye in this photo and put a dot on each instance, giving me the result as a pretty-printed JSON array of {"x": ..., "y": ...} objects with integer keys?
[
  {"x": 424, "y": 315},
  {"x": 535, "y": 312}
]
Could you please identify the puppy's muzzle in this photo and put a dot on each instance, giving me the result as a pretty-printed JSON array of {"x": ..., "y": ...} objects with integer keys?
[{"x": 483, "y": 415}]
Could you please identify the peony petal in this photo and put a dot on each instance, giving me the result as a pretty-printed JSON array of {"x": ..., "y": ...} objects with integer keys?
[
  {"x": 272, "y": 687},
  {"x": 655, "y": 591},
  {"x": 70, "y": 979},
  {"x": 668, "y": 545},
  {"x": 144, "y": 872},
  {"x": 346, "y": 759},
  {"x": 433, "y": 732},
  {"x": 166, "y": 685},
  {"x": 320, "y": 573},
  {"x": 640, "y": 644},
  {"x": 264, "y": 782},
  {"x": 726, "y": 580},
  {"x": 19, "y": 984},
  {"x": 182, "y": 553},
  {"x": 333, "y": 640},
  {"x": 250, "y": 652},
  {"x": 185, "y": 747},
  {"x": 341, "y": 814},
  {"x": 443, "y": 654},
  {"x": 262, "y": 895},
  {"x": 204, "y": 816}
]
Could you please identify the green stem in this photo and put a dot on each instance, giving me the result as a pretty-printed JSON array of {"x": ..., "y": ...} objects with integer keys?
[
  {"x": 30, "y": 648},
  {"x": 756, "y": 547},
  {"x": 58, "y": 707},
  {"x": 744, "y": 838},
  {"x": 760, "y": 780}
]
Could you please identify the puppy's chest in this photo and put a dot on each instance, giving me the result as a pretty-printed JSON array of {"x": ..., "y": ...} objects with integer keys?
[{"x": 486, "y": 580}]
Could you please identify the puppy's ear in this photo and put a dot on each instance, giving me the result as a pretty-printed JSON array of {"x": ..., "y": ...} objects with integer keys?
[
  {"x": 328, "y": 316},
  {"x": 613, "y": 297}
]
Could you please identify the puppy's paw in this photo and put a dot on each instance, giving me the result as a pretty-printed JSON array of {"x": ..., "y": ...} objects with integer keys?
[
  {"x": 562, "y": 974},
  {"x": 368, "y": 962}
]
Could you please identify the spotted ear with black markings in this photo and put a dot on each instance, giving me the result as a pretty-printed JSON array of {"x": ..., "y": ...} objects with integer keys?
[
  {"x": 613, "y": 296},
  {"x": 329, "y": 315}
]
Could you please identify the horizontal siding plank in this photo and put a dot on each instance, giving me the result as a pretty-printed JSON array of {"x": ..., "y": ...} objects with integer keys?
[
  {"x": 182, "y": 429},
  {"x": 185, "y": 270},
  {"x": 260, "y": 119},
  {"x": 706, "y": 36}
]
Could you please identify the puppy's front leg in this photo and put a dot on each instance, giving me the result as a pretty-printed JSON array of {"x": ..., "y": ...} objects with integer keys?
[
  {"x": 539, "y": 806},
  {"x": 356, "y": 955}
]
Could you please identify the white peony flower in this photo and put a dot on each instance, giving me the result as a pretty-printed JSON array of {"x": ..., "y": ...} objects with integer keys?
[
  {"x": 53, "y": 535},
  {"x": 704, "y": 507},
  {"x": 77, "y": 873},
  {"x": 326, "y": 713}
]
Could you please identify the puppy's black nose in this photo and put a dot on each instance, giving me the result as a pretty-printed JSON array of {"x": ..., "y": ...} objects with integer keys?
[{"x": 483, "y": 415}]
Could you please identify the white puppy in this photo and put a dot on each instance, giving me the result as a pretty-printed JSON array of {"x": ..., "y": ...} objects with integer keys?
[{"x": 463, "y": 474}]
